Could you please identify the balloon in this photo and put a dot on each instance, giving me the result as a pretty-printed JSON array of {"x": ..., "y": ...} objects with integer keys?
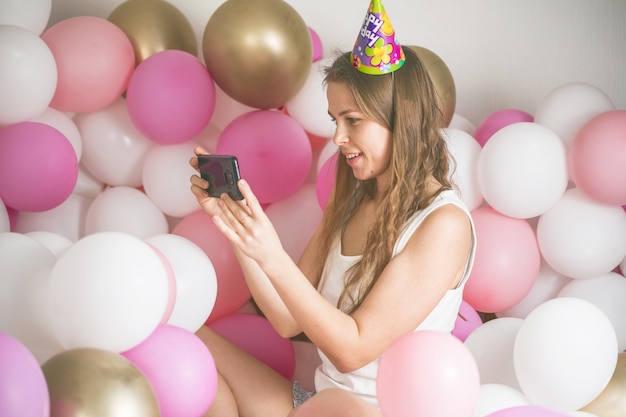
[
  {"x": 495, "y": 397},
  {"x": 5, "y": 222},
  {"x": 527, "y": 411},
  {"x": 522, "y": 170},
  {"x": 506, "y": 263},
  {"x": 295, "y": 219},
  {"x": 581, "y": 238},
  {"x": 38, "y": 166},
  {"x": 23, "y": 389},
  {"x": 566, "y": 108},
  {"x": 491, "y": 345},
  {"x": 29, "y": 14},
  {"x": 166, "y": 173},
  {"x": 466, "y": 322},
  {"x": 227, "y": 109},
  {"x": 180, "y": 369},
  {"x": 565, "y": 353},
  {"x": 465, "y": 153},
  {"x": 325, "y": 182},
  {"x": 461, "y": 123},
  {"x": 109, "y": 290},
  {"x": 421, "y": 372},
  {"x": 127, "y": 210},
  {"x": 232, "y": 291},
  {"x": 255, "y": 335},
  {"x": 496, "y": 121},
  {"x": 597, "y": 158},
  {"x": 171, "y": 97},
  {"x": 309, "y": 106},
  {"x": 153, "y": 26},
  {"x": 54, "y": 242},
  {"x": 110, "y": 385},
  {"x": 316, "y": 45},
  {"x": 113, "y": 149},
  {"x": 64, "y": 124},
  {"x": 196, "y": 282},
  {"x": 95, "y": 60},
  {"x": 442, "y": 80},
  {"x": 274, "y": 153},
  {"x": 612, "y": 400},
  {"x": 268, "y": 71},
  {"x": 28, "y": 74},
  {"x": 607, "y": 292}
]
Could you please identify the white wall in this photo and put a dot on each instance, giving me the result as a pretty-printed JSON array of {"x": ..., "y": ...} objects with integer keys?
[{"x": 502, "y": 53}]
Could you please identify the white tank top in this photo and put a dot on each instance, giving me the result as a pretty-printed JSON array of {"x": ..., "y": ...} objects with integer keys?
[{"x": 443, "y": 317}]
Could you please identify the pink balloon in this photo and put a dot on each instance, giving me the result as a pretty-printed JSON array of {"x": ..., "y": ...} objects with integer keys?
[
  {"x": 95, "y": 60},
  {"x": 316, "y": 42},
  {"x": 38, "y": 167},
  {"x": 496, "y": 121},
  {"x": 23, "y": 388},
  {"x": 171, "y": 97},
  {"x": 274, "y": 152},
  {"x": 427, "y": 373},
  {"x": 326, "y": 181},
  {"x": 255, "y": 335},
  {"x": 180, "y": 369},
  {"x": 232, "y": 290},
  {"x": 506, "y": 264},
  {"x": 527, "y": 411},
  {"x": 597, "y": 158},
  {"x": 466, "y": 322}
]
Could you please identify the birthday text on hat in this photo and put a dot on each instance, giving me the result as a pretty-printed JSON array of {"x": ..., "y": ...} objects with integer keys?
[{"x": 370, "y": 28}]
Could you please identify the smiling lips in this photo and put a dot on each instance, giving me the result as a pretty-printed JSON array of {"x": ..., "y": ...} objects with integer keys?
[{"x": 350, "y": 156}]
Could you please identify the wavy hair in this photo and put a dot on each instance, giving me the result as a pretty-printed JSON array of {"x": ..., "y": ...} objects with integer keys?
[{"x": 405, "y": 102}]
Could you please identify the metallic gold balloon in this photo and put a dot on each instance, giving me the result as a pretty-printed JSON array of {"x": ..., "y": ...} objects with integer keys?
[
  {"x": 259, "y": 52},
  {"x": 154, "y": 26},
  {"x": 442, "y": 79},
  {"x": 612, "y": 400},
  {"x": 90, "y": 382}
]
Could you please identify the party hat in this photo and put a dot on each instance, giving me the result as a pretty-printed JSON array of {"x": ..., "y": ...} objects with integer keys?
[{"x": 376, "y": 50}]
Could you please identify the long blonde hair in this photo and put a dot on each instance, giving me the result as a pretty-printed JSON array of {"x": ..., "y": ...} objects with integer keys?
[{"x": 405, "y": 102}]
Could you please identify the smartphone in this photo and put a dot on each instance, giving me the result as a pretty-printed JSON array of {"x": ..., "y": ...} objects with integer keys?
[{"x": 222, "y": 173}]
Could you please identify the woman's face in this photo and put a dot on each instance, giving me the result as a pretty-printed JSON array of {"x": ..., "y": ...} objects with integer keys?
[{"x": 365, "y": 143}]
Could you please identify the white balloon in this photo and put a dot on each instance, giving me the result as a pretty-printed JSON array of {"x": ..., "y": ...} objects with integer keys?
[
  {"x": 165, "y": 176},
  {"x": 109, "y": 290},
  {"x": 56, "y": 243},
  {"x": 86, "y": 184},
  {"x": 64, "y": 124},
  {"x": 28, "y": 74},
  {"x": 461, "y": 123},
  {"x": 127, "y": 210},
  {"x": 522, "y": 170},
  {"x": 113, "y": 148},
  {"x": 496, "y": 397},
  {"x": 608, "y": 293},
  {"x": 491, "y": 344},
  {"x": 581, "y": 238},
  {"x": 207, "y": 139},
  {"x": 196, "y": 282},
  {"x": 5, "y": 222},
  {"x": 28, "y": 14},
  {"x": 227, "y": 109},
  {"x": 565, "y": 353},
  {"x": 465, "y": 151},
  {"x": 569, "y": 106},
  {"x": 309, "y": 106}
]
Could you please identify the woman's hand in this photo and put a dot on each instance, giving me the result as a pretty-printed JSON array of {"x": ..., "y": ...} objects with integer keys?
[{"x": 200, "y": 185}]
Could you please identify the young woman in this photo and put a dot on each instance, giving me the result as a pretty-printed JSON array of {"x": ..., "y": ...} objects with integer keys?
[{"x": 391, "y": 255}]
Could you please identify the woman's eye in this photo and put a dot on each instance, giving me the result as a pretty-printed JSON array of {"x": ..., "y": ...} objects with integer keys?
[{"x": 352, "y": 120}]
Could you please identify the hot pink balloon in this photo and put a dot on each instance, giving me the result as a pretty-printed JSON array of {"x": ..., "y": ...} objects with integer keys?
[
  {"x": 316, "y": 43},
  {"x": 466, "y": 322},
  {"x": 497, "y": 120},
  {"x": 171, "y": 97},
  {"x": 597, "y": 158},
  {"x": 506, "y": 264},
  {"x": 38, "y": 167},
  {"x": 427, "y": 373},
  {"x": 95, "y": 60}
]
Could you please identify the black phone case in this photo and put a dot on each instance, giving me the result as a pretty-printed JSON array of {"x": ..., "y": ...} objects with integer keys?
[{"x": 222, "y": 173}]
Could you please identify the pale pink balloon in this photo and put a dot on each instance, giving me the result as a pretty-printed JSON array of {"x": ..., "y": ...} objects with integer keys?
[
  {"x": 95, "y": 60},
  {"x": 497, "y": 120}
]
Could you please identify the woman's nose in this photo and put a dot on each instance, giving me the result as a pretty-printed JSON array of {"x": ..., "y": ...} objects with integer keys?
[{"x": 339, "y": 137}]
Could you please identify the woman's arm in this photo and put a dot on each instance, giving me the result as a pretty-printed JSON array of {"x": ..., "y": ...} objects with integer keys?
[{"x": 408, "y": 289}]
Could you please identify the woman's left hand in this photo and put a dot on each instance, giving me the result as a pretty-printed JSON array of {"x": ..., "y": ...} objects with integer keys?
[{"x": 247, "y": 226}]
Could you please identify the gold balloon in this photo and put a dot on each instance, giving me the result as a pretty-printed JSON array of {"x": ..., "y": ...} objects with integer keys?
[
  {"x": 259, "y": 52},
  {"x": 154, "y": 26},
  {"x": 89, "y": 382},
  {"x": 612, "y": 400},
  {"x": 442, "y": 79}
]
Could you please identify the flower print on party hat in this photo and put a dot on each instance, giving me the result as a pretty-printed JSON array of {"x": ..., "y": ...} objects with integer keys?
[{"x": 376, "y": 50}]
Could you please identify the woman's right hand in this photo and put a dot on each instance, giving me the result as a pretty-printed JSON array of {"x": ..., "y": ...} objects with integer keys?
[{"x": 200, "y": 185}]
